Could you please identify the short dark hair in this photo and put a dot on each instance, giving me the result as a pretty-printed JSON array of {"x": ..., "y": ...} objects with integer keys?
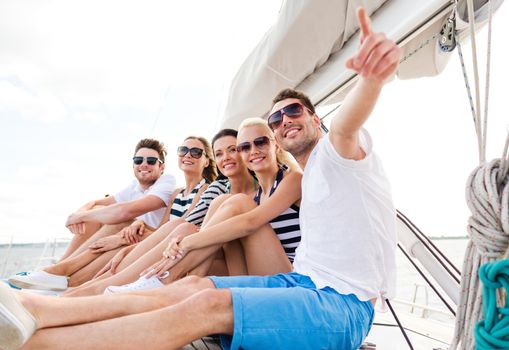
[
  {"x": 291, "y": 93},
  {"x": 152, "y": 144},
  {"x": 223, "y": 133}
]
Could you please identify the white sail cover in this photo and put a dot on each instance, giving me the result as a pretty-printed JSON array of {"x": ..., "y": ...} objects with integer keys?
[{"x": 309, "y": 44}]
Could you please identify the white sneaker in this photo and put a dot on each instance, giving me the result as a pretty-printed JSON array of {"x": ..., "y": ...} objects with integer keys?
[
  {"x": 16, "y": 324},
  {"x": 39, "y": 280},
  {"x": 141, "y": 284}
]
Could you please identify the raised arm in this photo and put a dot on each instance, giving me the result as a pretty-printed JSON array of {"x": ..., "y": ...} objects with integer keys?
[
  {"x": 287, "y": 193},
  {"x": 375, "y": 61}
]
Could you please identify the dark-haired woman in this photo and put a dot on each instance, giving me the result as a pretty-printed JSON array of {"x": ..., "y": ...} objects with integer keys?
[
  {"x": 127, "y": 266},
  {"x": 258, "y": 237}
]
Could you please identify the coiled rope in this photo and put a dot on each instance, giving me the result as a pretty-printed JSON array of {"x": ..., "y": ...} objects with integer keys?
[
  {"x": 487, "y": 195},
  {"x": 493, "y": 331},
  {"x": 488, "y": 228}
]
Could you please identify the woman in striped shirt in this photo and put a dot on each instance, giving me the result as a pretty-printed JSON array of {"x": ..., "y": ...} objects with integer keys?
[
  {"x": 257, "y": 237},
  {"x": 127, "y": 265}
]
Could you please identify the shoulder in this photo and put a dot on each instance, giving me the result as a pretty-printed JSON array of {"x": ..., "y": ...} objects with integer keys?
[
  {"x": 218, "y": 186},
  {"x": 126, "y": 193},
  {"x": 294, "y": 175},
  {"x": 326, "y": 146}
]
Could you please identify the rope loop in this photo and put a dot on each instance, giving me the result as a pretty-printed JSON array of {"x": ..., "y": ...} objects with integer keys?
[
  {"x": 488, "y": 201},
  {"x": 493, "y": 331},
  {"x": 487, "y": 279}
]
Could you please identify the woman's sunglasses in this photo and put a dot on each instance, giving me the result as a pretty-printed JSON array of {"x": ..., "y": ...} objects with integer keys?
[
  {"x": 195, "y": 152},
  {"x": 293, "y": 110},
  {"x": 150, "y": 160},
  {"x": 259, "y": 142}
]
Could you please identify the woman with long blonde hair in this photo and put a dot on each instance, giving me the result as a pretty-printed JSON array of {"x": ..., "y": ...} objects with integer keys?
[{"x": 257, "y": 235}]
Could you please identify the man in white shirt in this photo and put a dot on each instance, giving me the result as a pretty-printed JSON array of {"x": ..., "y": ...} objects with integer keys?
[
  {"x": 326, "y": 303},
  {"x": 144, "y": 199}
]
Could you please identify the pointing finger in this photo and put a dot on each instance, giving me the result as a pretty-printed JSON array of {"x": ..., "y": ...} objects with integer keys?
[{"x": 364, "y": 22}]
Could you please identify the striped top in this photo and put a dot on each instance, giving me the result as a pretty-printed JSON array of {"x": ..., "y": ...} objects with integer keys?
[
  {"x": 215, "y": 189},
  {"x": 182, "y": 203},
  {"x": 286, "y": 225}
]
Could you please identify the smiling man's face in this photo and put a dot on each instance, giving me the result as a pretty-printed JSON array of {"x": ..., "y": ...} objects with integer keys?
[{"x": 297, "y": 135}]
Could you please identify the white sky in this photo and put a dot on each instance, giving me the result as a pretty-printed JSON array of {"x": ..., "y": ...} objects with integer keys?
[{"x": 82, "y": 82}]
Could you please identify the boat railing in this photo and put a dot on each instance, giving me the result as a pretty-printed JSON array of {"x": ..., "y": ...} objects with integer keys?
[{"x": 18, "y": 256}]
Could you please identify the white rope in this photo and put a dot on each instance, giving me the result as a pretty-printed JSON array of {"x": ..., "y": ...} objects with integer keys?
[
  {"x": 488, "y": 228},
  {"x": 487, "y": 195},
  {"x": 505, "y": 161},
  {"x": 487, "y": 80},
  {"x": 478, "y": 126}
]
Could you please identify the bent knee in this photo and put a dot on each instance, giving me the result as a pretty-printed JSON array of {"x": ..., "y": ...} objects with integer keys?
[
  {"x": 184, "y": 229},
  {"x": 214, "y": 299},
  {"x": 239, "y": 203},
  {"x": 197, "y": 282}
]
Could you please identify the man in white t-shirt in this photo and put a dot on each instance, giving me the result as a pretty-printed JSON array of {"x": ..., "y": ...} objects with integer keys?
[
  {"x": 144, "y": 199},
  {"x": 344, "y": 263}
]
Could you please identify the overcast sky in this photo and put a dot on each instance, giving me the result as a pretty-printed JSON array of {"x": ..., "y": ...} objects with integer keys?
[{"x": 82, "y": 82}]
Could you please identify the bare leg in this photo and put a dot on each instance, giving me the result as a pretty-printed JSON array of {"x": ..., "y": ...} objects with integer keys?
[
  {"x": 54, "y": 312},
  {"x": 199, "y": 262},
  {"x": 262, "y": 253},
  {"x": 78, "y": 239},
  {"x": 145, "y": 254},
  {"x": 150, "y": 242},
  {"x": 86, "y": 273},
  {"x": 104, "y": 231},
  {"x": 192, "y": 315},
  {"x": 235, "y": 258},
  {"x": 72, "y": 264},
  {"x": 132, "y": 272}
]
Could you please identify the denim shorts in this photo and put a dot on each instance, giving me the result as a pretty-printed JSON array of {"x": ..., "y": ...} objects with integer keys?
[{"x": 287, "y": 311}]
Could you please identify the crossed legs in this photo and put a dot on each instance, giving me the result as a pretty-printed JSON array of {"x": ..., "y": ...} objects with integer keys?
[
  {"x": 83, "y": 263},
  {"x": 259, "y": 253},
  {"x": 146, "y": 253}
]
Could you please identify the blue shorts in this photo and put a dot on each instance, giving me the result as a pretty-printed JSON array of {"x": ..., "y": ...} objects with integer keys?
[{"x": 286, "y": 311}]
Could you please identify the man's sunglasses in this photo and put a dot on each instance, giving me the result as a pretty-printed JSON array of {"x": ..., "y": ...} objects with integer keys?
[
  {"x": 259, "y": 142},
  {"x": 195, "y": 152},
  {"x": 150, "y": 160},
  {"x": 293, "y": 110}
]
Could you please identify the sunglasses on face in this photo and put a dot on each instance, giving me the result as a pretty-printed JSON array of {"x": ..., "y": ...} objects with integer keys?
[
  {"x": 259, "y": 142},
  {"x": 195, "y": 152},
  {"x": 293, "y": 110},
  {"x": 150, "y": 160}
]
